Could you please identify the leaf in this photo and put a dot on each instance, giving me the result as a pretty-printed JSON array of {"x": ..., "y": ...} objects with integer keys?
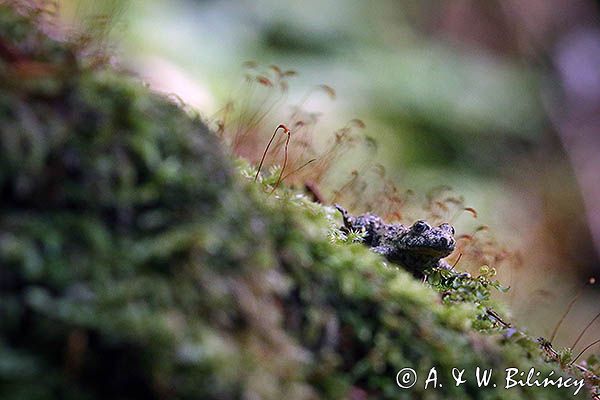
[
  {"x": 263, "y": 80},
  {"x": 329, "y": 90},
  {"x": 472, "y": 211}
]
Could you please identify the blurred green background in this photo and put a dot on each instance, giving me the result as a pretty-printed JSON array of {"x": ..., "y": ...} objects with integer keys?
[{"x": 496, "y": 99}]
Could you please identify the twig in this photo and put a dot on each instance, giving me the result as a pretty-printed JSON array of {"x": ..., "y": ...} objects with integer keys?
[
  {"x": 584, "y": 350},
  {"x": 584, "y": 330},
  {"x": 285, "y": 130},
  {"x": 562, "y": 318},
  {"x": 494, "y": 315}
]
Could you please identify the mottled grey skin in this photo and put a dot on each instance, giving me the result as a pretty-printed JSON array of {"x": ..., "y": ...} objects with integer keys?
[{"x": 416, "y": 248}]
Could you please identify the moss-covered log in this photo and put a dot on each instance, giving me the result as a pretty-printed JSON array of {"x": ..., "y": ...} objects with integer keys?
[{"x": 136, "y": 261}]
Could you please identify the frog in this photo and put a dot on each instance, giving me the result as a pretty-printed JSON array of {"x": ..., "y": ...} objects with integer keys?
[{"x": 418, "y": 247}]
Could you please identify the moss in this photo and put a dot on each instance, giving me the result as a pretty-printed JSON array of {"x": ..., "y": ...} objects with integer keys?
[{"x": 138, "y": 262}]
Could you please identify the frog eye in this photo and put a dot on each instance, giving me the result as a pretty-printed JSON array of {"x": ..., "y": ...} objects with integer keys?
[
  {"x": 448, "y": 228},
  {"x": 420, "y": 226}
]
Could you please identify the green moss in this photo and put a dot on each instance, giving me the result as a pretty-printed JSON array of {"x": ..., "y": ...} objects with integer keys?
[{"x": 138, "y": 262}]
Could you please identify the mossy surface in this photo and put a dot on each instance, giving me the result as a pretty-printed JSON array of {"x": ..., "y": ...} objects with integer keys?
[{"x": 138, "y": 261}]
